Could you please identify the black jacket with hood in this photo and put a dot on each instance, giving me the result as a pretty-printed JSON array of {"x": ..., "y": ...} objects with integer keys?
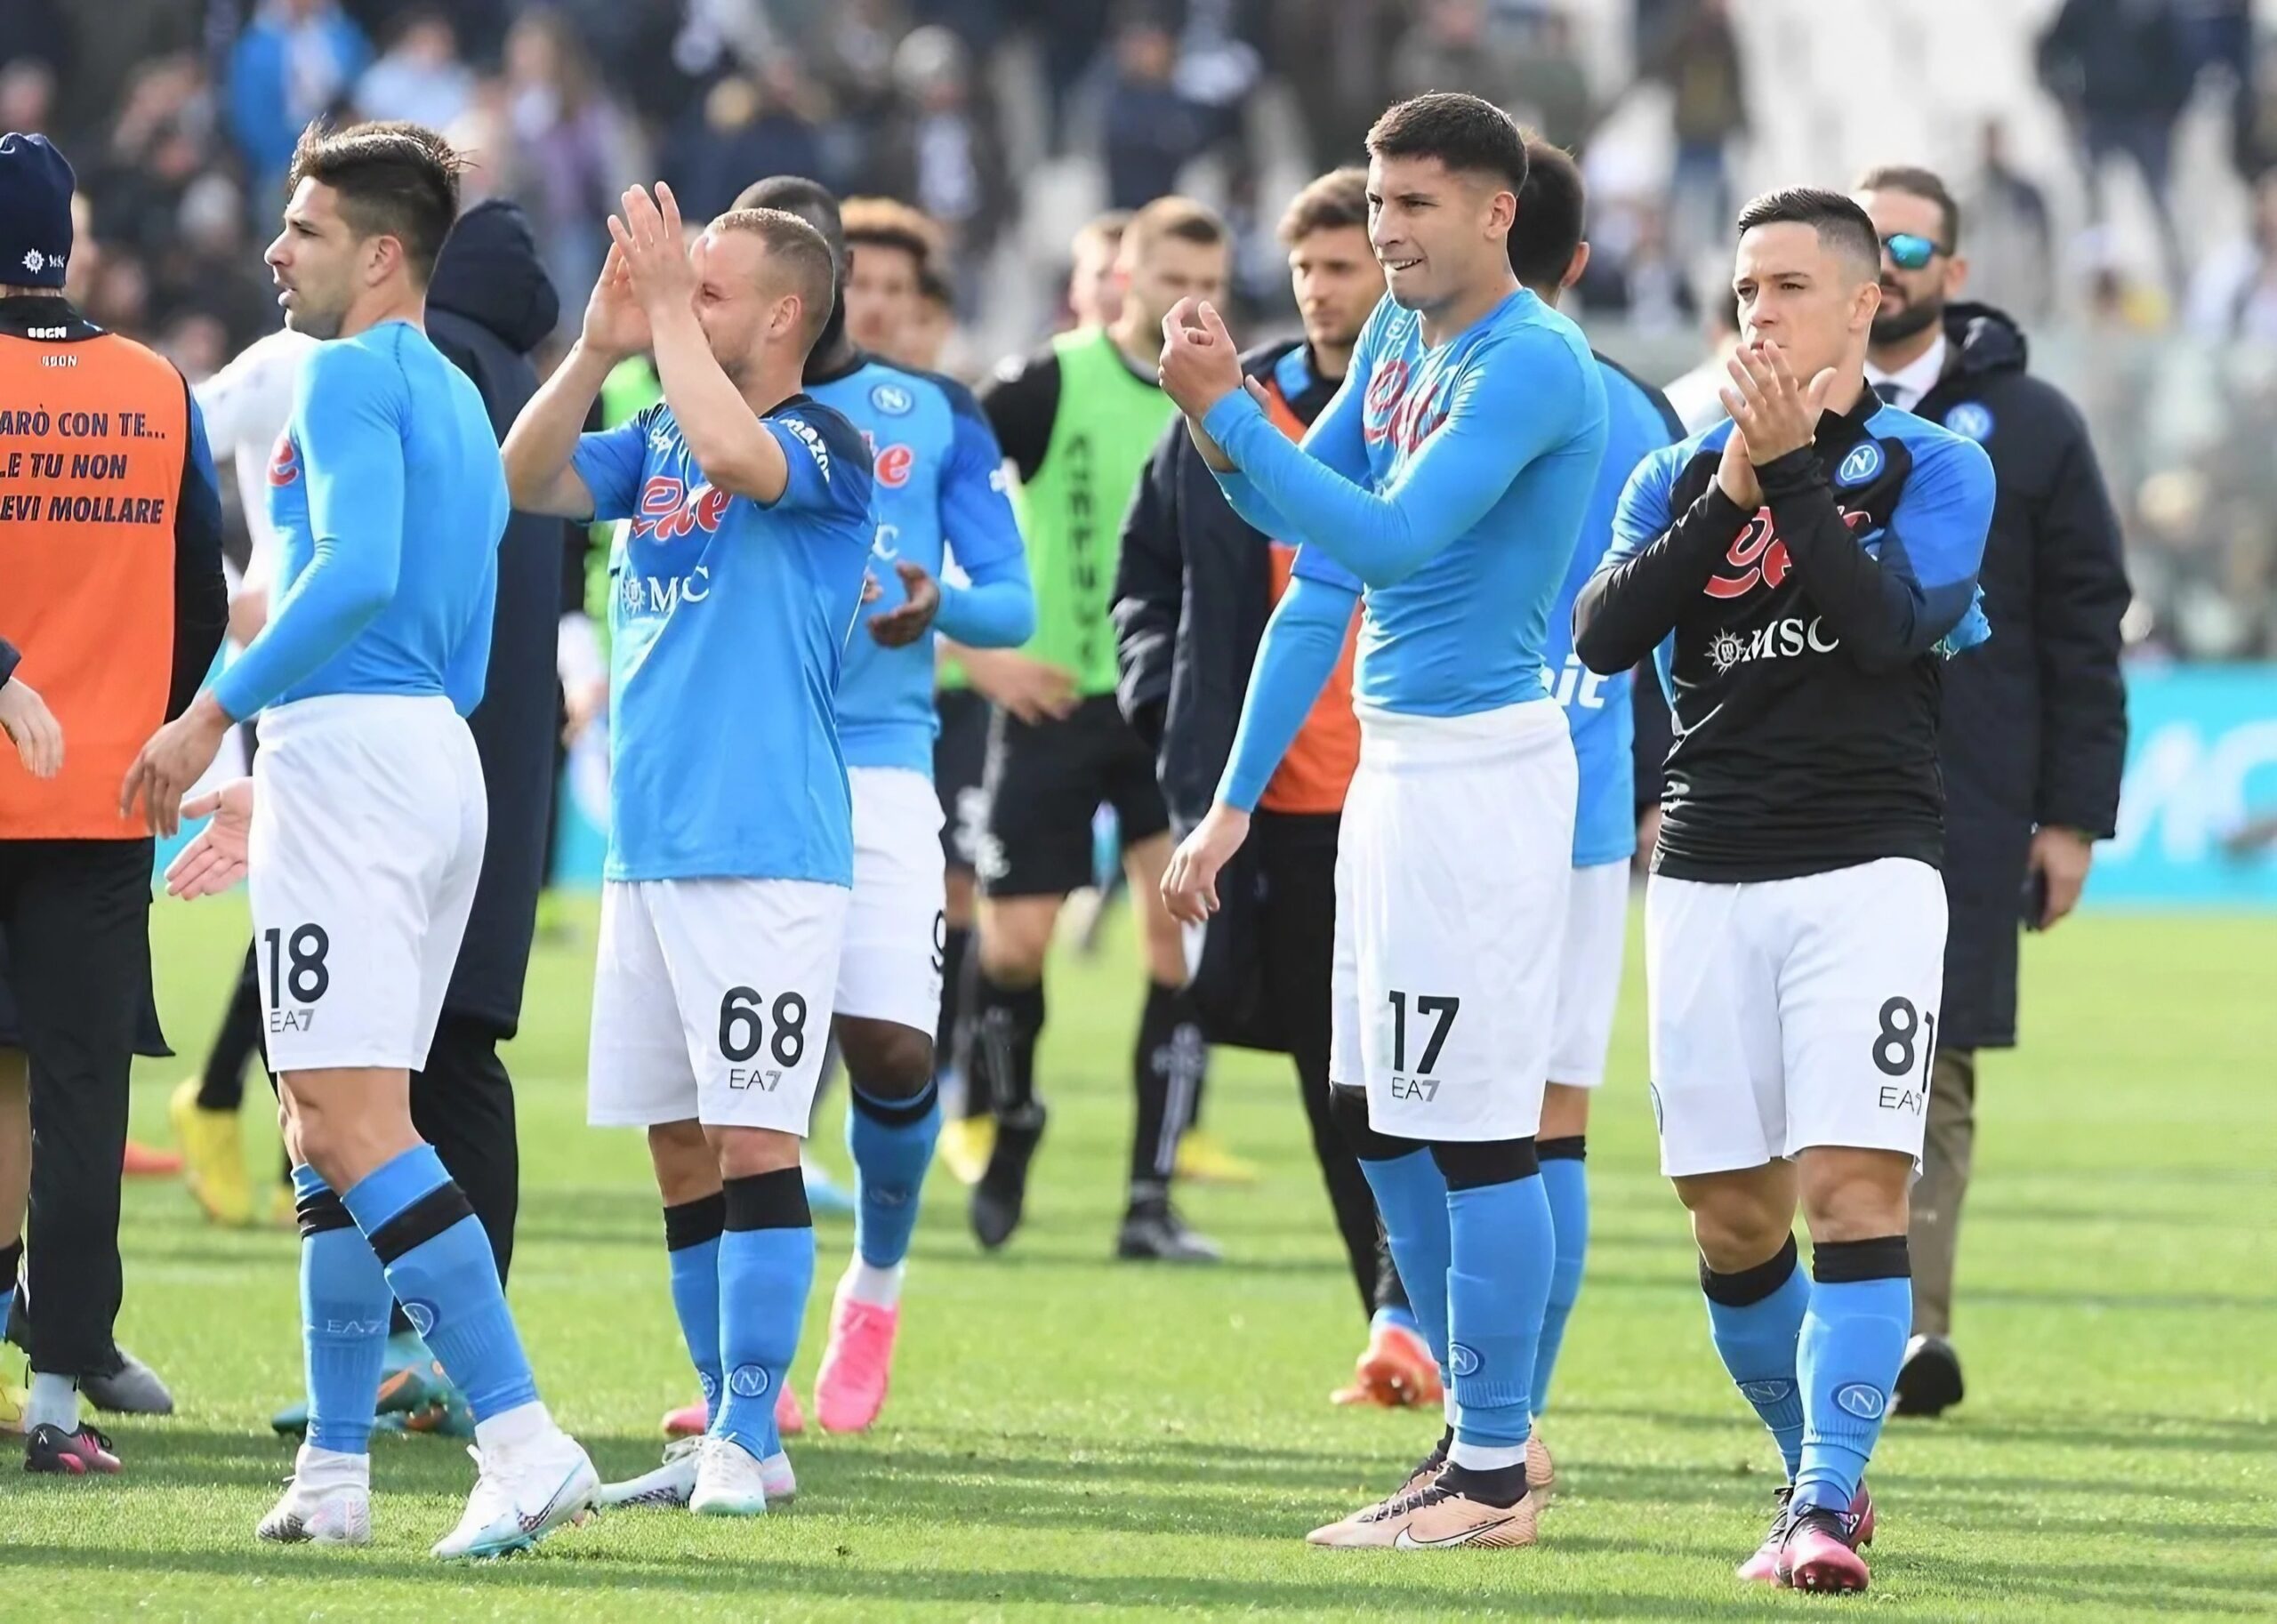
[
  {"x": 2035, "y": 719},
  {"x": 488, "y": 306}
]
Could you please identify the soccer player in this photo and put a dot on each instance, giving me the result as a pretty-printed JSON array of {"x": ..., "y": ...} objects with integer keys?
[
  {"x": 889, "y": 246},
  {"x": 1078, "y": 420},
  {"x": 1798, "y": 570},
  {"x": 731, "y": 841},
  {"x": 926, "y": 337},
  {"x": 1549, "y": 256},
  {"x": 368, "y": 819},
  {"x": 940, "y": 484},
  {"x": 1448, "y": 481}
]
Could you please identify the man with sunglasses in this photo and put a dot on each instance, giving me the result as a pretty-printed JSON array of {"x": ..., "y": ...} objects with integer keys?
[{"x": 2034, "y": 722}]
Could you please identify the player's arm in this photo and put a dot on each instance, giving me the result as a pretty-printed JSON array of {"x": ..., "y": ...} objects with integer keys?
[
  {"x": 1150, "y": 589},
  {"x": 1021, "y": 402},
  {"x": 1517, "y": 400},
  {"x": 1656, "y": 565},
  {"x": 1301, "y": 645},
  {"x": 1891, "y": 608},
  {"x": 350, "y": 420},
  {"x": 1302, "y": 642},
  {"x": 1335, "y": 438},
  {"x": 201, "y": 592},
  {"x": 541, "y": 450},
  {"x": 994, "y": 607},
  {"x": 737, "y": 452}
]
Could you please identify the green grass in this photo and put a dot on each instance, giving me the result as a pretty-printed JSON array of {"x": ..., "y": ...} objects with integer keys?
[{"x": 1070, "y": 1434}]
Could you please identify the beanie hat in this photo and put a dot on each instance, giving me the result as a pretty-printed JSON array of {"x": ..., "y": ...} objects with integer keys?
[{"x": 35, "y": 184}]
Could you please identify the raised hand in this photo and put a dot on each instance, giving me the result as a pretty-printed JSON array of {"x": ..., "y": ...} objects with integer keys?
[
  {"x": 1736, "y": 474},
  {"x": 1776, "y": 414},
  {"x": 1199, "y": 366},
  {"x": 615, "y": 323},
  {"x": 649, "y": 235}
]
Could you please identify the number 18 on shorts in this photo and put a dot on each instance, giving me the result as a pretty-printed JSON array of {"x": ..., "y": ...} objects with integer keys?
[{"x": 711, "y": 1001}]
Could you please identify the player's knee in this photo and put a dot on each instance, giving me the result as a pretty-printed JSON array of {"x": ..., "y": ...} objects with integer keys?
[
  {"x": 957, "y": 898},
  {"x": 1852, "y": 1194},
  {"x": 1737, "y": 1220},
  {"x": 1013, "y": 942},
  {"x": 686, "y": 1167},
  {"x": 1564, "y": 1112},
  {"x": 1348, "y": 1109},
  {"x": 743, "y": 1152},
  {"x": 887, "y": 1060},
  {"x": 1472, "y": 1165}
]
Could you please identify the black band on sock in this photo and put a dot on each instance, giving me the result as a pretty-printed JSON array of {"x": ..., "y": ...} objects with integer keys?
[
  {"x": 893, "y": 1113},
  {"x": 1500, "y": 1486},
  {"x": 1348, "y": 1109},
  {"x": 768, "y": 1201},
  {"x": 1472, "y": 1165},
  {"x": 1750, "y": 1286},
  {"x": 1572, "y": 1147},
  {"x": 320, "y": 1212},
  {"x": 692, "y": 1223},
  {"x": 422, "y": 1221},
  {"x": 1841, "y": 1262}
]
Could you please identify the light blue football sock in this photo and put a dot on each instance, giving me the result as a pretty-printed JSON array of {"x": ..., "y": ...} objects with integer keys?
[
  {"x": 344, "y": 1304},
  {"x": 1852, "y": 1341},
  {"x": 1564, "y": 1180},
  {"x": 892, "y": 1144},
  {"x": 1756, "y": 1319}
]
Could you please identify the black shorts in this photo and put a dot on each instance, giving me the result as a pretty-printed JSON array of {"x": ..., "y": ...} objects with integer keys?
[
  {"x": 1045, "y": 783},
  {"x": 960, "y": 762}
]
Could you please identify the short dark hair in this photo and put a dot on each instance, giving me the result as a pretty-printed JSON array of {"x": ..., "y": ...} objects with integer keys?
[
  {"x": 933, "y": 288},
  {"x": 1839, "y": 220},
  {"x": 394, "y": 179},
  {"x": 1105, "y": 228},
  {"x": 1462, "y": 131},
  {"x": 1916, "y": 182},
  {"x": 1551, "y": 208},
  {"x": 1335, "y": 201},
  {"x": 805, "y": 256},
  {"x": 1166, "y": 218},
  {"x": 810, "y": 200},
  {"x": 886, "y": 222}
]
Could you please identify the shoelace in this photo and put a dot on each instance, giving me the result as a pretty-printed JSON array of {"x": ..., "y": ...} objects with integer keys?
[{"x": 1401, "y": 1504}]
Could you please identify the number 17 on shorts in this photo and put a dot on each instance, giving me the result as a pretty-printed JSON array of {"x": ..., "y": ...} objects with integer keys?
[{"x": 711, "y": 1001}]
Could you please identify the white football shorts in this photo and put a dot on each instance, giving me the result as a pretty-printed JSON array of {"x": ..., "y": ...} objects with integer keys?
[
  {"x": 889, "y": 969},
  {"x": 1452, "y": 867},
  {"x": 711, "y": 1001},
  {"x": 1792, "y": 1013},
  {"x": 368, "y": 824},
  {"x": 1588, "y": 975}
]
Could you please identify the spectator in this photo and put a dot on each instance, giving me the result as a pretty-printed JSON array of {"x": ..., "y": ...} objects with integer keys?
[
  {"x": 1549, "y": 90},
  {"x": 2013, "y": 266},
  {"x": 1153, "y": 132},
  {"x": 746, "y": 126},
  {"x": 940, "y": 151},
  {"x": 1448, "y": 49},
  {"x": 1700, "y": 65},
  {"x": 574, "y": 150},
  {"x": 294, "y": 61},
  {"x": 26, "y": 95},
  {"x": 421, "y": 78},
  {"x": 2233, "y": 296},
  {"x": 2123, "y": 72},
  {"x": 1695, "y": 395}
]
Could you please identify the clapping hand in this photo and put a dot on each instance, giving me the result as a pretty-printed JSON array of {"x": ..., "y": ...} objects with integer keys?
[
  {"x": 1199, "y": 366},
  {"x": 1776, "y": 414},
  {"x": 616, "y": 325},
  {"x": 648, "y": 236}
]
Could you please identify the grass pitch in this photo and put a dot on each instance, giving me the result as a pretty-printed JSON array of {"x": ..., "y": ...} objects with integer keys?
[{"x": 1069, "y": 1435}]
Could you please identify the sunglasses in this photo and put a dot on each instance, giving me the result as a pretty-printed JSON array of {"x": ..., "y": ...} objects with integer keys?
[{"x": 1908, "y": 251}]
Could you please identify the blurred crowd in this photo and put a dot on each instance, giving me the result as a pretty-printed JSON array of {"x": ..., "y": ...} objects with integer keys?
[{"x": 1007, "y": 122}]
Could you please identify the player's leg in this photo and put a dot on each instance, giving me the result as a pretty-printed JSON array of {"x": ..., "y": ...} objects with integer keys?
[
  {"x": 889, "y": 975},
  {"x": 960, "y": 759},
  {"x": 1929, "y": 1382},
  {"x": 1168, "y": 1062},
  {"x": 1041, "y": 790},
  {"x": 15, "y": 1189},
  {"x": 1858, "y": 994},
  {"x": 203, "y": 1110},
  {"x": 752, "y": 964},
  {"x": 80, "y": 967},
  {"x": 1589, "y": 988}
]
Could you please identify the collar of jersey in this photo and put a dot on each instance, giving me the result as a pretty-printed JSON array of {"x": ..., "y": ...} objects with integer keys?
[{"x": 1838, "y": 429}]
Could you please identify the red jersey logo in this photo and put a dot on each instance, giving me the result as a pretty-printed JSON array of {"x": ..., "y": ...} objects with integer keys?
[
  {"x": 283, "y": 461},
  {"x": 1757, "y": 554},
  {"x": 669, "y": 510},
  {"x": 893, "y": 466}
]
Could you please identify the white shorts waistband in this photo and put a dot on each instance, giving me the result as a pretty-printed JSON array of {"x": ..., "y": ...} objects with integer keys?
[
  {"x": 281, "y": 722},
  {"x": 1400, "y": 740}
]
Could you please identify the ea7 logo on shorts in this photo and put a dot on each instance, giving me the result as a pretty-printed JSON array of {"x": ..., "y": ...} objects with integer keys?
[
  {"x": 1463, "y": 1361},
  {"x": 1866, "y": 1403},
  {"x": 669, "y": 510}
]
